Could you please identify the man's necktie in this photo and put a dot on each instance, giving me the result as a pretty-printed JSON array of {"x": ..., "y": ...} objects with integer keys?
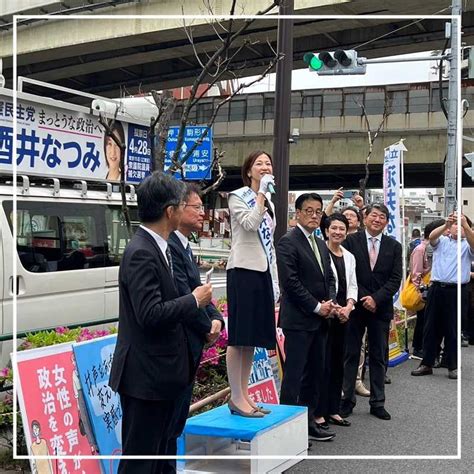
[
  {"x": 316, "y": 251},
  {"x": 190, "y": 252},
  {"x": 170, "y": 260},
  {"x": 373, "y": 252}
]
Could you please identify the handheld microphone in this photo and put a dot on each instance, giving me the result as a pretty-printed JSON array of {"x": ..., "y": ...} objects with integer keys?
[{"x": 271, "y": 188}]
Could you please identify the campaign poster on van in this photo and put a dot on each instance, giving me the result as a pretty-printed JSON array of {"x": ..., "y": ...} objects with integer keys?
[
  {"x": 57, "y": 142},
  {"x": 94, "y": 361},
  {"x": 262, "y": 388},
  {"x": 52, "y": 418}
]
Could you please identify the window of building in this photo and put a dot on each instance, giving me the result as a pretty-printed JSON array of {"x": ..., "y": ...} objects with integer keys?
[
  {"x": 332, "y": 104},
  {"x": 351, "y": 102},
  {"x": 237, "y": 110},
  {"x": 255, "y": 107},
  {"x": 398, "y": 101},
  {"x": 312, "y": 105},
  {"x": 268, "y": 108},
  {"x": 419, "y": 101}
]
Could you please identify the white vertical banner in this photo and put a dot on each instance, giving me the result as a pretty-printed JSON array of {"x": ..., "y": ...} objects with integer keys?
[{"x": 392, "y": 180}]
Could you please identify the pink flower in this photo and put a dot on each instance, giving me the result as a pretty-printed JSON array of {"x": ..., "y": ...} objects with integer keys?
[
  {"x": 210, "y": 356},
  {"x": 4, "y": 372},
  {"x": 61, "y": 330}
]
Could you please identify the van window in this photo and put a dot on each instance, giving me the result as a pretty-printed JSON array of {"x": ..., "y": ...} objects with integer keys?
[{"x": 68, "y": 236}]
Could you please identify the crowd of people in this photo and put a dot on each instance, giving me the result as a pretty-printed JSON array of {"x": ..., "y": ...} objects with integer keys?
[{"x": 335, "y": 294}]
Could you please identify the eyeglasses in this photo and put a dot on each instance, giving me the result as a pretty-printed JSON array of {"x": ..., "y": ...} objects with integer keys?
[
  {"x": 198, "y": 207},
  {"x": 310, "y": 212}
]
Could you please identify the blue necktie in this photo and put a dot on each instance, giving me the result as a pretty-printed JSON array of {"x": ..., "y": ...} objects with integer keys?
[{"x": 190, "y": 253}]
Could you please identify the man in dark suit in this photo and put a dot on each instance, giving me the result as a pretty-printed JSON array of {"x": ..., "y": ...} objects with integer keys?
[
  {"x": 208, "y": 325},
  {"x": 379, "y": 274},
  {"x": 151, "y": 366},
  {"x": 308, "y": 288}
]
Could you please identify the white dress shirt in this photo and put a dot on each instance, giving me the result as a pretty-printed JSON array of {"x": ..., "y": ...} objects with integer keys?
[
  {"x": 378, "y": 239},
  {"x": 161, "y": 242}
]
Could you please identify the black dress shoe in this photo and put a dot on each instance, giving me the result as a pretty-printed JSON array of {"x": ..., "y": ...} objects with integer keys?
[
  {"x": 380, "y": 412},
  {"x": 344, "y": 412},
  {"x": 323, "y": 425},
  {"x": 337, "y": 422},
  {"x": 316, "y": 433},
  {"x": 422, "y": 370},
  {"x": 387, "y": 380}
]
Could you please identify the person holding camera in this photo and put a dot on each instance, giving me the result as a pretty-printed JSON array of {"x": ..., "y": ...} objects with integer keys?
[
  {"x": 420, "y": 266},
  {"x": 441, "y": 310}
]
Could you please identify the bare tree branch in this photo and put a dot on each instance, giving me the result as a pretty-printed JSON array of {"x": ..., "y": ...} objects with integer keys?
[
  {"x": 189, "y": 34},
  {"x": 178, "y": 164},
  {"x": 371, "y": 136},
  {"x": 166, "y": 104},
  {"x": 231, "y": 37},
  {"x": 221, "y": 174}
]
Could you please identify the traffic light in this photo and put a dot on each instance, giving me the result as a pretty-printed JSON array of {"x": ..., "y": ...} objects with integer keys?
[
  {"x": 339, "y": 62},
  {"x": 470, "y": 171}
]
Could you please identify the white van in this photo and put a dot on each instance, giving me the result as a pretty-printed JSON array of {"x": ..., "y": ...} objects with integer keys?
[{"x": 68, "y": 247}]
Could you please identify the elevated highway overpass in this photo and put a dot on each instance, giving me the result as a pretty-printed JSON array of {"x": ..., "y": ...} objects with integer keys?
[
  {"x": 332, "y": 143},
  {"x": 108, "y": 57}
]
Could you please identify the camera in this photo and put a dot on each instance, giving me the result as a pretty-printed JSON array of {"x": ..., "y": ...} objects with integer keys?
[{"x": 424, "y": 292}]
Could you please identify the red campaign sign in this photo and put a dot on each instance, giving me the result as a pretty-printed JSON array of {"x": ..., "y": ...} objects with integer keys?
[
  {"x": 51, "y": 413},
  {"x": 264, "y": 392}
]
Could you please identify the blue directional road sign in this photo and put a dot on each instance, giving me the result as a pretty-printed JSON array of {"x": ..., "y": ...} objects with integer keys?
[{"x": 198, "y": 166}]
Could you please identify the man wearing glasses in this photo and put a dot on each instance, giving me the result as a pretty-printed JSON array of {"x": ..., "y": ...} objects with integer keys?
[
  {"x": 151, "y": 364},
  {"x": 207, "y": 326},
  {"x": 308, "y": 290}
]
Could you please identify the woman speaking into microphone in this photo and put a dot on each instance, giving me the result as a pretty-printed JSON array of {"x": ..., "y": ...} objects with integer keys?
[{"x": 252, "y": 282}]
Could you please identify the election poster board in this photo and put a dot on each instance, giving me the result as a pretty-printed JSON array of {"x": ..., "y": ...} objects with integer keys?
[
  {"x": 51, "y": 413},
  {"x": 59, "y": 142},
  {"x": 94, "y": 361},
  {"x": 262, "y": 388}
]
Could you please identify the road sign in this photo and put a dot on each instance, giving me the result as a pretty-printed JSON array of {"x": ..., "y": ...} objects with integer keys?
[{"x": 198, "y": 166}]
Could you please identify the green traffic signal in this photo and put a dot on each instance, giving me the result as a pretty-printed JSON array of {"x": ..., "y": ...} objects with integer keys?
[{"x": 313, "y": 61}]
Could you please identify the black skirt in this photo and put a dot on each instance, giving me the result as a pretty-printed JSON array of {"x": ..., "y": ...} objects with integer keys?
[{"x": 251, "y": 309}]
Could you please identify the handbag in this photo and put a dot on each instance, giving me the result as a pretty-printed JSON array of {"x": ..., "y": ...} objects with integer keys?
[{"x": 410, "y": 296}]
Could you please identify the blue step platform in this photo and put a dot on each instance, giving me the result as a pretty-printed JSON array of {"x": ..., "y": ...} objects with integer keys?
[{"x": 217, "y": 432}]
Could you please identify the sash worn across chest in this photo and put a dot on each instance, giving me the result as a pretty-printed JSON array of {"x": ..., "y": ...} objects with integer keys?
[{"x": 265, "y": 231}]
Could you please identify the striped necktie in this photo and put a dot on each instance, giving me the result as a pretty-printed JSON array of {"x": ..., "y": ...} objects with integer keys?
[
  {"x": 170, "y": 260},
  {"x": 316, "y": 251}
]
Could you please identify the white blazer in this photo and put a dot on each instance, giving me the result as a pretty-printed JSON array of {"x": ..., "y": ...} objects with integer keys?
[
  {"x": 247, "y": 250},
  {"x": 351, "y": 279}
]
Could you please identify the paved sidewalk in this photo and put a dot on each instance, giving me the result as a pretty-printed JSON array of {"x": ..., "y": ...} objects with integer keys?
[{"x": 424, "y": 423}]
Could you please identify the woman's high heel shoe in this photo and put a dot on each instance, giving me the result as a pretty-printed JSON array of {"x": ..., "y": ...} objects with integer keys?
[
  {"x": 255, "y": 413},
  {"x": 265, "y": 411}
]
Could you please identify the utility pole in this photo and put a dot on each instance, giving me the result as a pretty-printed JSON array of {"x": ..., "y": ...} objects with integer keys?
[
  {"x": 453, "y": 111},
  {"x": 281, "y": 123}
]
